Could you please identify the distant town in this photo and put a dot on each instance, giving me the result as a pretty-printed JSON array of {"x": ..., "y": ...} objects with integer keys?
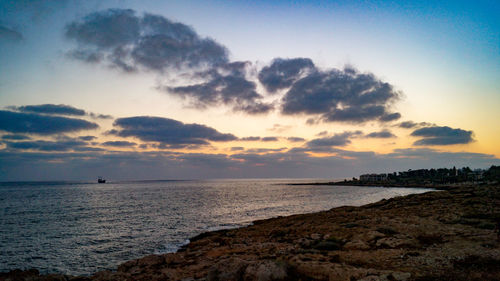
[{"x": 463, "y": 175}]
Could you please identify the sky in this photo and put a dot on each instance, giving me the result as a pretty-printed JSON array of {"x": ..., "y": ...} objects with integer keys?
[{"x": 134, "y": 90}]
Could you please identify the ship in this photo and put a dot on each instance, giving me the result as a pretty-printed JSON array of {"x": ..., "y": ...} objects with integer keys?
[{"x": 101, "y": 180}]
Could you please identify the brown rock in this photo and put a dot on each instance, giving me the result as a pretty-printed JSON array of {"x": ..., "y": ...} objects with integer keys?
[
  {"x": 151, "y": 260},
  {"x": 266, "y": 271},
  {"x": 356, "y": 245}
]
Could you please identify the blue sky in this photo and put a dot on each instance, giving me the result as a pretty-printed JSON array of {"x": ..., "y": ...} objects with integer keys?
[{"x": 434, "y": 65}]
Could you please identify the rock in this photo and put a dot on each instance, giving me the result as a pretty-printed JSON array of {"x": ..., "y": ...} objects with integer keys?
[
  {"x": 393, "y": 276},
  {"x": 53, "y": 277},
  {"x": 356, "y": 245},
  {"x": 151, "y": 261},
  {"x": 173, "y": 259},
  {"x": 315, "y": 236},
  {"x": 371, "y": 235},
  {"x": 127, "y": 265},
  {"x": 266, "y": 271},
  {"x": 401, "y": 276},
  {"x": 328, "y": 246},
  {"x": 227, "y": 270},
  {"x": 373, "y": 278},
  {"x": 393, "y": 243}
]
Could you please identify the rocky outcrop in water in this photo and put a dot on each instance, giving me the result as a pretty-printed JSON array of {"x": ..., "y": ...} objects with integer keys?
[{"x": 445, "y": 235}]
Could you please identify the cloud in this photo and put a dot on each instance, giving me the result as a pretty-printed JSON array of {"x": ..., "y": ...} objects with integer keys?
[
  {"x": 225, "y": 84},
  {"x": 295, "y": 139},
  {"x": 390, "y": 117},
  {"x": 442, "y": 136},
  {"x": 411, "y": 124},
  {"x": 15, "y": 137},
  {"x": 100, "y": 116},
  {"x": 123, "y": 40},
  {"x": 341, "y": 96},
  {"x": 31, "y": 123},
  {"x": 269, "y": 139},
  {"x": 86, "y": 138},
  {"x": 250, "y": 139},
  {"x": 167, "y": 132},
  {"x": 9, "y": 35},
  {"x": 254, "y": 138},
  {"x": 57, "y": 109},
  {"x": 237, "y": 148},
  {"x": 282, "y": 73},
  {"x": 46, "y": 145},
  {"x": 119, "y": 143},
  {"x": 340, "y": 139},
  {"x": 384, "y": 134},
  {"x": 31, "y": 165},
  {"x": 264, "y": 150}
]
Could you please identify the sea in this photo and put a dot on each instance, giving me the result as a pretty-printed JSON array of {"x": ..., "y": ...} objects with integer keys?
[{"x": 80, "y": 228}]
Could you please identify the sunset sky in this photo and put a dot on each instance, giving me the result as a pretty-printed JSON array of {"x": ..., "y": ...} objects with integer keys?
[{"x": 246, "y": 89}]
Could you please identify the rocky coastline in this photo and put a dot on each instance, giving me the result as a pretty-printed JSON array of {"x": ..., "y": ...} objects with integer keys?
[
  {"x": 443, "y": 235},
  {"x": 392, "y": 184}
]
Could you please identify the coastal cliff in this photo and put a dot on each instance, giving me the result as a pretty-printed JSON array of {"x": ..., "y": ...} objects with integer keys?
[{"x": 441, "y": 235}]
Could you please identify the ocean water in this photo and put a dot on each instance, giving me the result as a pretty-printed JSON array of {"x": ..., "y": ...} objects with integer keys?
[{"x": 81, "y": 228}]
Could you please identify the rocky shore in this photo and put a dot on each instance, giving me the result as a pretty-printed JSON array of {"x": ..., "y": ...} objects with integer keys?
[
  {"x": 391, "y": 184},
  {"x": 441, "y": 235}
]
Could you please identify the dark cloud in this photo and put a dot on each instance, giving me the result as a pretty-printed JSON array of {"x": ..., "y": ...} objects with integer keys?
[
  {"x": 341, "y": 95},
  {"x": 9, "y": 34},
  {"x": 250, "y": 139},
  {"x": 340, "y": 139},
  {"x": 100, "y": 116},
  {"x": 105, "y": 29},
  {"x": 57, "y": 109},
  {"x": 384, "y": 134},
  {"x": 86, "y": 138},
  {"x": 269, "y": 139},
  {"x": 442, "y": 136},
  {"x": 31, "y": 123},
  {"x": 119, "y": 143},
  {"x": 46, "y": 145},
  {"x": 282, "y": 73},
  {"x": 167, "y": 132},
  {"x": 15, "y": 137},
  {"x": 87, "y": 149},
  {"x": 226, "y": 84},
  {"x": 390, "y": 117},
  {"x": 128, "y": 42},
  {"x": 31, "y": 165},
  {"x": 264, "y": 150},
  {"x": 237, "y": 148},
  {"x": 295, "y": 139},
  {"x": 411, "y": 124}
]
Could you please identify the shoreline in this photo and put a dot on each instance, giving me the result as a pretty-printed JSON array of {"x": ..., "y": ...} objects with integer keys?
[
  {"x": 389, "y": 185},
  {"x": 426, "y": 236}
]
